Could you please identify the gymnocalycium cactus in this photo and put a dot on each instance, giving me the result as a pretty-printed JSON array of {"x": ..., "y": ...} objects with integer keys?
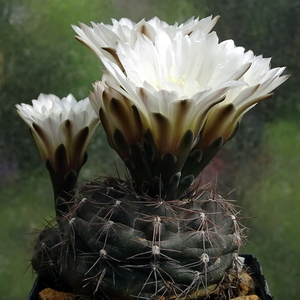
[
  {"x": 118, "y": 243},
  {"x": 169, "y": 99}
]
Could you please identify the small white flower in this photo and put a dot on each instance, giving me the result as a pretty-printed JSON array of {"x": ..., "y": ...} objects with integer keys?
[{"x": 61, "y": 128}]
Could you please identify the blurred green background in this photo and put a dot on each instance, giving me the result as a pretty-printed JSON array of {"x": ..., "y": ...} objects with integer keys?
[{"x": 259, "y": 168}]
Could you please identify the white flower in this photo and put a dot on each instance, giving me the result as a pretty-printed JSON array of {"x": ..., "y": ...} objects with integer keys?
[
  {"x": 61, "y": 129},
  {"x": 103, "y": 39},
  {"x": 189, "y": 89},
  {"x": 185, "y": 79}
]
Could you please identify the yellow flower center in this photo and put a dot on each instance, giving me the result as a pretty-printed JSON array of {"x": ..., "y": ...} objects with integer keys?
[
  {"x": 173, "y": 79},
  {"x": 176, "y": 79}
]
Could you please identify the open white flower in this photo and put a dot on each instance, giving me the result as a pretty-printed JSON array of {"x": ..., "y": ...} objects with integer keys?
[
  {"x": 61, "y": 128},
  {"x": 103, "y": 39},
  {"x": 177, "y": 79},
  {"x": 190, "y": 90}
]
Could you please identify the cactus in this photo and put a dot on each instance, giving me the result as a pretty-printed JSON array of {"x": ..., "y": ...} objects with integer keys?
[
  {"x": 113, "y": 242},
  {"x": 170, "y": 97}
]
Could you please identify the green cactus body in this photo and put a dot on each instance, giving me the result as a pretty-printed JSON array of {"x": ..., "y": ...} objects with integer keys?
[{"x": 113, "y": 242}]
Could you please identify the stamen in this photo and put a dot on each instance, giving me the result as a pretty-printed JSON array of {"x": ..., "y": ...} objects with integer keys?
[{"x": 176, "y": 79}]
